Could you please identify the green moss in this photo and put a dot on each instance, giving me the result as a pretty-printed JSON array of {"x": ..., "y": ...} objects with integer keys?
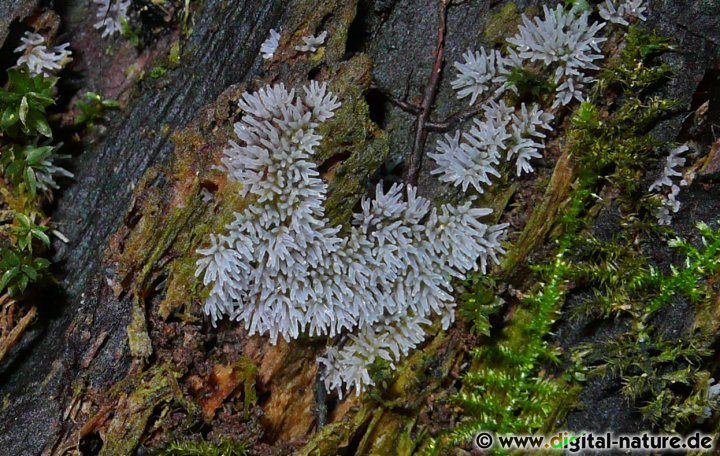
[
  {"x": 138, "y": 338},
  {"x": 24, "y": 101},
  {"x": 389, "y": 433},
  {"x": 662, "y": 377},
  {"x": 311, "y": 17},
  {"x": 611, "y": 144},
  {"x": 245, "y": 371},
  {"x": 174, "y": 54},
  {"x": 168, "y": 232},
  {"x": 650, "y": 365},
  {"x": 635, "y": 68},
  {"x": 130, "y": 33},
  {"x": 479, "y": 302},
  {"x": 203, "y": 448},
  {"x": 508, "y": 390},
  {"x": 531, "y": 85},
  {"x": 497, "y": 200},
  {"x": 421, "y": 373},
  {"x": 502, "y": 24},
  {"x": 131, "y": 418},
  {"x": 385, "y": 421},
  {"x": 186, "y": 229},
  {"x": 336, "y": 436},
  {"x": 614, "y": 141},
  {"x": 157, "y": 72},
  {"x": 509, "y": 387},
  {"x": 543, "y": 218},
  {"x": 580, "y": 6}
]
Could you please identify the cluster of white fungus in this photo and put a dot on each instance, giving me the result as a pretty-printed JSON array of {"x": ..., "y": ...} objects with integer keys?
[
  {"x": 270, "y": 45},
  {"x": 283, "y": 271},
  {"x": 111, "y": 15},
  {"x": 667, "y": 186},
  {"x": 503, "y": 134},
  {"x": 483, "y": 72},
  {"x": 39, "y": 58},
  {"x": 628, "y": 9},
  {"x": 563, "y": 44},
  {"x": 566, "y": 44},
  {"x": 311, "y": 43}
]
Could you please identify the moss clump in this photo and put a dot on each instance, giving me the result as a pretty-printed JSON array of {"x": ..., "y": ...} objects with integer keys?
[
  {"x": 502, "y": 24},
  {"x": 204, "y": 448},
  {"x": 24, "y": 102},
  {"x": 508, "y": 390},
  {"x": 650, "y": 365},
  {"x": 608, "y": 142},
  {"x": 479, "y": 302},
  {"x": 174, "y": 54},
  {"x": 93, "y": 109},
  {"x": 510, "y": 387},
  {"x": 612, "y": 141},
  {"x": 612, "y": 144},
  {"x": 157, "y": 72},
  {"x": 636, "y": 67},
  {"x": 138, "y": 399},
  {"x": 531, "y": 85}
]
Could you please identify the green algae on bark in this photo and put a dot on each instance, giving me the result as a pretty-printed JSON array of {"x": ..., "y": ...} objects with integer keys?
[
  {"x": 502, "y": 24},
  {"x": 152, "y": 389},
  {"x": 543, "y": 217},
  {"x": 353, "y": 147},
  {"x": 311, "y": 17}
]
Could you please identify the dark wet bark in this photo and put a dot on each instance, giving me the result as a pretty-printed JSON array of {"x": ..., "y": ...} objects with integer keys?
[{"x": 39, "y": 376}]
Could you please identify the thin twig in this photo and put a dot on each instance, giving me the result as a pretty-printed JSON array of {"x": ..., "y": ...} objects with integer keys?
[
  {"x": 404, "y": 105},
  {"x": 9, "y": 341},
  {"x": 431, "y": 89},
  {"x": 451, "y": 122}
]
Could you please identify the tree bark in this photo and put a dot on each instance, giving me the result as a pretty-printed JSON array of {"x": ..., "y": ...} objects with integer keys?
[{"x": 121, "y": 360}]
